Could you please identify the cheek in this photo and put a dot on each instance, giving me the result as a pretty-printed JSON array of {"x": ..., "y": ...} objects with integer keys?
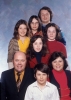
[
  {"x": 55, "y": 35},
  {"x": 53, "y": 65},
  {"x": 41, "y": 46},
  {"x": 48, "y": 34},
  {"x": 25, "y": 31},
  {"x": 37, "y": 25},
  {"x": 34, "y": 47}
]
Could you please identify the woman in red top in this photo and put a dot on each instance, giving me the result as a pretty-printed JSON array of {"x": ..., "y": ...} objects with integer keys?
[
  {"x": 37, "y": 51},
  {"x": 53, "y": 43},
  {"x": 59, "y": 76}
]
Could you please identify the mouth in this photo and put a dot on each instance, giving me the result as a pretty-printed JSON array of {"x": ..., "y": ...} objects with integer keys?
[
  {"x": 19, "y": 66},
  {"x": 38, "y": 49},
  {"x": 57, "y": 66}
]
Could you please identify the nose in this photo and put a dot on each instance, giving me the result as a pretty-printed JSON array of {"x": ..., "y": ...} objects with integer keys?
[
  {"x": 57, "y": 63},
  {"x": 19, "y": 62},
  {"x": 34, "y": 24},
  {"x": 51, "y": 33},
  {"x": 37, "y": 45},
  {"x": 41, "y": 76}
]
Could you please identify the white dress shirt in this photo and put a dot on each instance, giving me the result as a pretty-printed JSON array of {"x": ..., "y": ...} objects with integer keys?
[{"x": 49, "y": 92}]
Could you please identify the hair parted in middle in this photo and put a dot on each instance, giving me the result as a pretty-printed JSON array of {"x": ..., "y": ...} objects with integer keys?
[
  {"x": 20, "y": 22},
  {"x": 30, "y": 50},
  {"x": 30, "y": 21}
]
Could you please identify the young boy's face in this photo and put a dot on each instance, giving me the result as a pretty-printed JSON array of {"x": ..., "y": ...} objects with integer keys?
[{"x": 41, "y": 77}]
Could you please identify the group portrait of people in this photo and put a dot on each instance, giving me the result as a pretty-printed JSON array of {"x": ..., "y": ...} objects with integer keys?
[{"x": 37, "y": 61}]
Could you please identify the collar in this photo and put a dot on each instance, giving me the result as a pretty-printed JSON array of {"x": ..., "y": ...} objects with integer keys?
[{"x": 36, "y": 84}]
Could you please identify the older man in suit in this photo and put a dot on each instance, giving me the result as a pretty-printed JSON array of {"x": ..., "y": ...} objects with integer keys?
[{"x": 15, "y": 81}]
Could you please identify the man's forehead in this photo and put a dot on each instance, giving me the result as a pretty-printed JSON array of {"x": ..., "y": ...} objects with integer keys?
[{"x": 20, "y": 54}]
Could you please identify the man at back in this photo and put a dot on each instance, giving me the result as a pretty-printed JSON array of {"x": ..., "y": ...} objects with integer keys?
[{"x": 15, "y": 81}]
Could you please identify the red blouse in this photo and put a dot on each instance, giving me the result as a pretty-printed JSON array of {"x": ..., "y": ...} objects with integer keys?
[{"x": 62, "y": 80}]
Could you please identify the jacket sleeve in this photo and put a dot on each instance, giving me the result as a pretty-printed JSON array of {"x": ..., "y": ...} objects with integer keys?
[
  {"x": 3, "y": 88},
  {"x": 13, "y": 46}
]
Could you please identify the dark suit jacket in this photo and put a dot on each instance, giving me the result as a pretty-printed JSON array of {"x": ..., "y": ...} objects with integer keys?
[
  {"x": 33, "y": 61},
  {"x": 9, "y": 88}
]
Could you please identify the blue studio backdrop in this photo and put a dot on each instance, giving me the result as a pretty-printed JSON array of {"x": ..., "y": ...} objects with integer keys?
[{"x": 13, "y": 10}]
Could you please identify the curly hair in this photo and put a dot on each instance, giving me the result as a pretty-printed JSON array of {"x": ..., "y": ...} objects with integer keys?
[
  {"x": 45, "y": 8},
  {"x": 16, "y": 34},
  {"x": 57, "y": 30},
  {"x": 54, "y": 56},
  {"x": 30, "y": 50}
]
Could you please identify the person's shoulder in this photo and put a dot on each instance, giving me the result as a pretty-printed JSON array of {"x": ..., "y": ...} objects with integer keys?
[
  {"x": 59, "y": 43},
  {"x": 27, "y": 38},
  {"x": 7, "y": 72},
  {"x": 51, "y": 85},
  {"x": 29, "y": 70},
  {"x": 13, "y": 40},
  {"x": 68, "y": 71},
  {"x": 32, "y": 85}
]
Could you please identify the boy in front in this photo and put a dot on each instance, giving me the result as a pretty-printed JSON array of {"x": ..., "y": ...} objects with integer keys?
[{"x": 41, "y": 89}]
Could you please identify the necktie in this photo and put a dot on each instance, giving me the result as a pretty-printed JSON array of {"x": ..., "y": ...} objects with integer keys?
[{"x": 18, "y": 81}]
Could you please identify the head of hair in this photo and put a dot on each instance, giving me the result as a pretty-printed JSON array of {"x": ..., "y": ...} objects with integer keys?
[
  {"x": 16, "y": 34},
  {"x": 56, "y": 28},
  {"x": 54, "y": 56},
  {"x": 30, "y": 21},
  {"x": 41, "y": 67},
  {"x": 45, "y": 8},
  {"x": 30, "y": 50}
]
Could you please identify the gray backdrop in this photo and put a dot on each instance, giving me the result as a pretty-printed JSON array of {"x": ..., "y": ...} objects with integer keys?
[{"x": 13, "y": 10}]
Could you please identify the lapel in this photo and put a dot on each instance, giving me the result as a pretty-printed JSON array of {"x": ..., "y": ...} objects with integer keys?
[
  {"x": 24, "y": 79},
  {"x": 13, "y": 81}
]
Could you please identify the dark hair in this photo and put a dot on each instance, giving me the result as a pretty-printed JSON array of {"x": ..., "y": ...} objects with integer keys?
[
  {"x": 57, "y": 30},
  {"x": 15, "y": 34},
  {"x": 41, "y": 67},
  {"x": 54, "y": 56},
  {"x": 30, "y": 50},
  {"x": 30, "y": 21},
  {"x": 48, "y": 9}
]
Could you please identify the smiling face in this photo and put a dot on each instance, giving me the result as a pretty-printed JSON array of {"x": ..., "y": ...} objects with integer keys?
[
  {"x": 41, "y": 78},
  {"x": 58, "y": 64},
  {"x": 51, "y": 33},
  {"x": 45, "y": 16},
  {"x": 22, "y": 30},
  {"x": 34, "y": 24},
  {"x": 19, "y": 61},
  {"x": 37, "y": 45}
]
